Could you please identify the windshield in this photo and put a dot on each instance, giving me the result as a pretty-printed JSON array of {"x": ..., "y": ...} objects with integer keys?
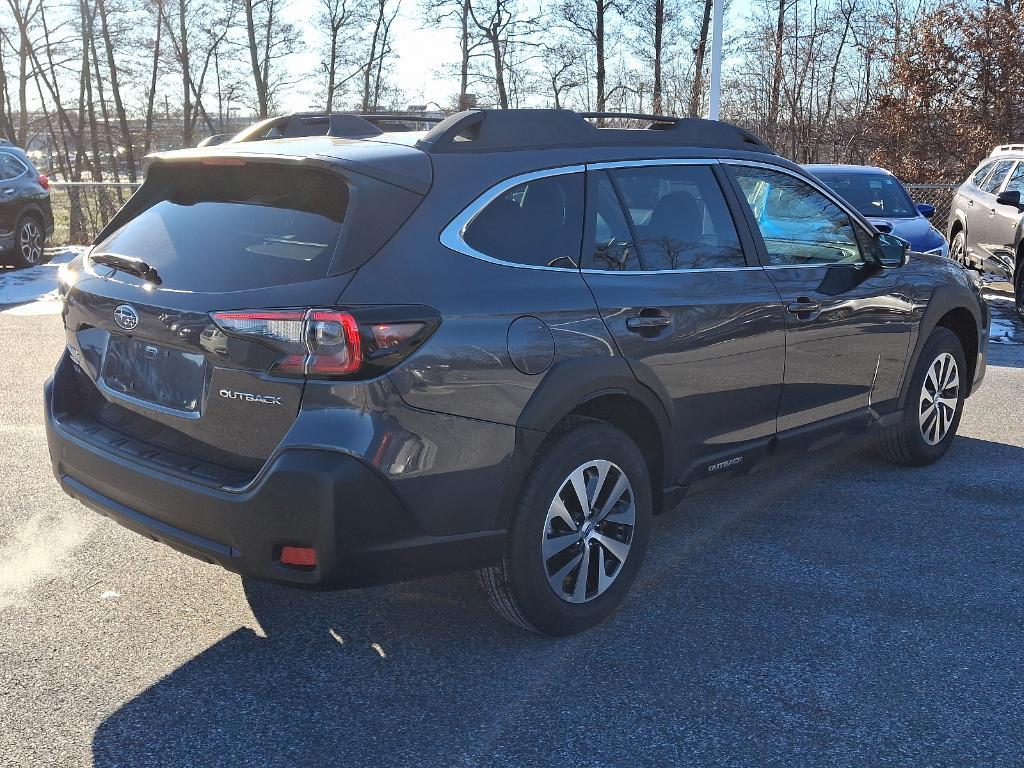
[
  {"x": 872, "y": 194},
  {"x": 231, "y": 228}
]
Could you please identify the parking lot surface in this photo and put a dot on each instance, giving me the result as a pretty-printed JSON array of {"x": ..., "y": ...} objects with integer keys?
[{"x": 839, "y": 611}]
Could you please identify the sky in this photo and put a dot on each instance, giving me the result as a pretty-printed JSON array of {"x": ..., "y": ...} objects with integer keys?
[{"x": 422, "y": 52}]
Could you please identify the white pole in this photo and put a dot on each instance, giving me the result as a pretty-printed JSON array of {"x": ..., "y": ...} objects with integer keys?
[{"x": 716, "y": 60}]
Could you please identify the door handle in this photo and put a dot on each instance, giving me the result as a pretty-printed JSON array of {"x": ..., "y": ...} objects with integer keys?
[
  {"x": 804, "y": 308},
  {"x": 649, "y": 320},
  {"x": 10, "y": 191}
]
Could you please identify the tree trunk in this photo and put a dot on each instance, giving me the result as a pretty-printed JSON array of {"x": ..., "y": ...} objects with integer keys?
[
  {"x": 254, "y": 60},
  {"x": 122, "y": 117},
  {"x": 464, "y": 64},
  {"x": 600, "y": 75},
  {"x": 154, "y": 73},
  {"x": 774, "y": 93},
  {"x": 697, "y": 88},
  {"x": 499, "y": 66},
  {"x": 659, "y": 34}
]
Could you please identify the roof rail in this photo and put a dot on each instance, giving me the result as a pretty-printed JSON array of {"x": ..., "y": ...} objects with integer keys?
[
  {"x": 1008, "y": 148},
  {"x": 492, "y": 130},
  {"x": 345, "y": 125}
]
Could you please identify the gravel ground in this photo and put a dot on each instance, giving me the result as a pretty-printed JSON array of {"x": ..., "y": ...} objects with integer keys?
[{"x": 838, "y": 612}]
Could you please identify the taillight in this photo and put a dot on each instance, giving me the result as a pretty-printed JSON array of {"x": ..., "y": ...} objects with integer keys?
[
  {"x": 333, "y": 343},
  {"x": 44, "y": 181}
]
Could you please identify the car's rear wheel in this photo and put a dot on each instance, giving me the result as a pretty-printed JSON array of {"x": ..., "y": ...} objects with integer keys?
[
  {"x": 28, "y": 243},
  {"x": 934, "y": 405},
  {"x": 578, "y": 533},
  {"x": 958, "y": 249}
]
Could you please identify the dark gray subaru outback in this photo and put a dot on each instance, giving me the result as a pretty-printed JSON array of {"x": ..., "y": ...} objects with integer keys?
[{"x": 502, "y": 344}]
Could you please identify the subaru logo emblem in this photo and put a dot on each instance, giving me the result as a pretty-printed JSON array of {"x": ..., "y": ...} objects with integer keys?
[{"x": 126, "y": 317}]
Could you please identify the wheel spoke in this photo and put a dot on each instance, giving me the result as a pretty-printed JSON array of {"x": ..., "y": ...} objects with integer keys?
[
  {"x": 616, "y": 547},
  {"x": 617, "y": 492},
  {"x": 603, "y": 579},
  {"x": 930, "y": 379},
  {"x": 624, "y": 516},
  {"x": 579, "y": 485},
  {"x": 556, "y": 544},
  {"x": 557, "y": 509},
  {"x": 579, "y": 592},
  {"x": 558, "y": 577}
]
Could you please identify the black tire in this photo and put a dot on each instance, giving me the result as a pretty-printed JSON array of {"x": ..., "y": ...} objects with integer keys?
[
  {"x": 905, "y": 442},
  {"x": 29, "y": 243},
  {"x": 958, "y": 249},
  {"x": 520, "y": 587}
]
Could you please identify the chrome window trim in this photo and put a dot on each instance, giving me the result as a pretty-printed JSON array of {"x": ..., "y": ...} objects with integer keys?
[
  {"x": 669, "y": 271},
  {"x": 452, "y": 235},
  {"x": 812, "y": 182}
]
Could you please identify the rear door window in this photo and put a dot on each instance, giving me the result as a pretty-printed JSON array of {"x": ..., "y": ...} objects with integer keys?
[
  {"x": 536, "y": 223},
  {"x": 10, "y": 166},
  {"x": 611, "y": 242},
  {"x": 230, "y": 228},
  {"x": 680, "y": 217},
  {"x": 1016, "y": 182}
]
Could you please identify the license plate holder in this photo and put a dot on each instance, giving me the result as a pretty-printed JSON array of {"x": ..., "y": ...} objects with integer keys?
[{"x": 154, "y": 374}]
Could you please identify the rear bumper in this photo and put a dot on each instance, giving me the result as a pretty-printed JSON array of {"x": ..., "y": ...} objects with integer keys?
[{"x": 307, "y": 497}]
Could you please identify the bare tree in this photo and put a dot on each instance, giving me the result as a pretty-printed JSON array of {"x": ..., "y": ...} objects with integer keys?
[
  {"x": 589, "y": 20},
  {"x": 269, "y": 39},
  {"x": 341, "y": 19}
]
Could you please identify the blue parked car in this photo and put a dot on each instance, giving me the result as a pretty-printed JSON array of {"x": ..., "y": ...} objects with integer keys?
[{"x": 880, "y": 196}]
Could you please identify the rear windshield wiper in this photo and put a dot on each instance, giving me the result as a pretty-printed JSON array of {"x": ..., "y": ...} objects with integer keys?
[{"x": 129, "y": 264}]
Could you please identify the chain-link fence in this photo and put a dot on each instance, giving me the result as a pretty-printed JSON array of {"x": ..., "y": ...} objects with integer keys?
[
  {"x": 81, "y": 208},
  {"x": 939, "y": 195}
]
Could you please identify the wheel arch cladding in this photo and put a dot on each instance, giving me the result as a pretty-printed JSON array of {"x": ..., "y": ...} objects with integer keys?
[
  {"x": 955, "y": 308},
  {"x": 601, "y": 388}
]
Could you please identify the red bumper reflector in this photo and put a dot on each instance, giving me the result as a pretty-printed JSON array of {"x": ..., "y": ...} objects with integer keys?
[{"x": 304, "y": 556}]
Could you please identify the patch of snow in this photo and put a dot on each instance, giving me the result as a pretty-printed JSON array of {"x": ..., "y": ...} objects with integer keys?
[
  {"x": 110, "y": 595},
  {"x": 34, "y": 291},
  {"x": 1002, "y": 331}
]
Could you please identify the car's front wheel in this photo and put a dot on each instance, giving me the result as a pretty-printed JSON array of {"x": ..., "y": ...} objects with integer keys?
[
  {"x": 578, "y": 533},
  {"x": 28, "y": 243},
  {"x": 934, "y": 404},
  {"x": 958, "y": 249}
]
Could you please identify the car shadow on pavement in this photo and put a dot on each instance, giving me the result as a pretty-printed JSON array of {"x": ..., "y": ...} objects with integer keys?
[{"x": 842, "y": 610}]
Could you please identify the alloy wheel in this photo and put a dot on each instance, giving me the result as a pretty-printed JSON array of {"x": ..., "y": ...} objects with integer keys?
[
  {"x": 588, "y": 531},
  {"x": 30, "y": 242},
  {"x": 940, "y": 394},
  {"x": 958, "y": 251}
]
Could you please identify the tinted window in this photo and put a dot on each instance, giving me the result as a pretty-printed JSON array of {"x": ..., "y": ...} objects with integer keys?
[
  {"x": 1016, "y": 182},
  {"x": 994, "y": 181},
  {"x": 539, "y": 223},
  {"x": 799, "y": 225},
  {"x": 873, "y": 194},
  {"x": 613, "y": 247},
  {"x": 226, "y": 228},
  {"x": 680, "y": 217},
  {"x": 10, "y": 166}
]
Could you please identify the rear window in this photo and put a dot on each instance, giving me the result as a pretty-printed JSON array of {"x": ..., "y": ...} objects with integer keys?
[
  {"x": 233, "y": 228},
  {"x": 872, "y": 194},
  {"x": 538, "y": 223}
]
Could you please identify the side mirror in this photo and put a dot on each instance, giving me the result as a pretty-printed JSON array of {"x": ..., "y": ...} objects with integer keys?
[
  {"x": 925, "y": 209},
  {"x": 1009, "y": 197},
  {"x": 890, "y": 251}
]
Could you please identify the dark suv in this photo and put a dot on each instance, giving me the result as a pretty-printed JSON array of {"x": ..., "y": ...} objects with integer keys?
[
  {"x": 503, "y": 344},
  {"x": 26, "y": 219},
  {"x": 986, "y": 220}
]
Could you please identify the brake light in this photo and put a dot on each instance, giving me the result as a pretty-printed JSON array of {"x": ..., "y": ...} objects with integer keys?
[
  {"x": 332, "y": 343},
  {"x": 44, "y": 181}
]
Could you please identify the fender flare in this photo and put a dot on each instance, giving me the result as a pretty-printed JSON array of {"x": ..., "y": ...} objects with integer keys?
[
  {"x": 959, "y": 217},
  {"x": 569, "y": 384},
  {"x": 944, "y": 299}
]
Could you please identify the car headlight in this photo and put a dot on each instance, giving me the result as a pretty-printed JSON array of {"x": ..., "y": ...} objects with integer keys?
[{"x": 940, "y": 250}]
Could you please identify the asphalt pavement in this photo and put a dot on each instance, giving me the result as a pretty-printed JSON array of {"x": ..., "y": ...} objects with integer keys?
[{"x": 836, "y": 612}]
